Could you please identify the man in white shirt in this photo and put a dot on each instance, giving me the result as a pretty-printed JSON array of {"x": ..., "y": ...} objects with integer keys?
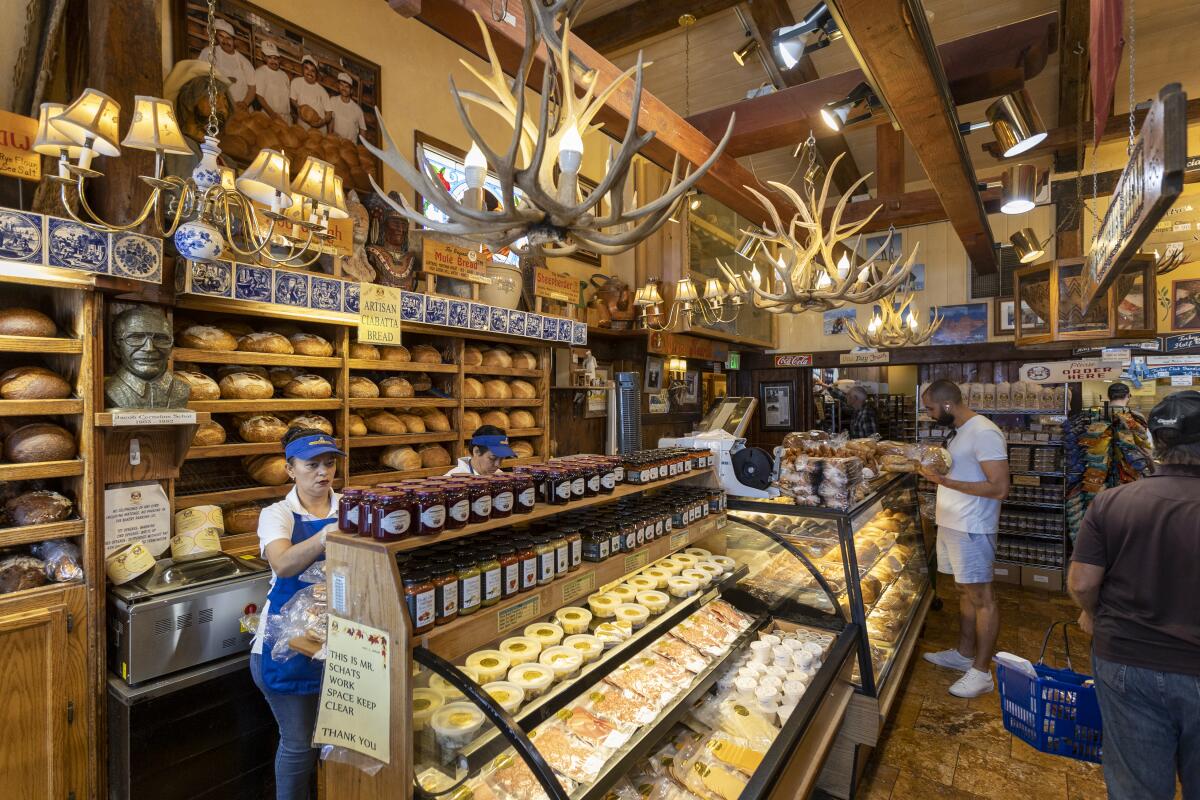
[
  {"x": 309, "y": 97},
  {"x": 272, "y": 85},
  {"x": 968, "y": 516},
  {"x": 348, "y": 120},
  {"x": 236, "y": 68}
]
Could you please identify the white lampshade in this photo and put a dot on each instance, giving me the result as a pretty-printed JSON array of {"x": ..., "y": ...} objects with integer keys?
[
  {"x": 685, "y": 291},
  {"x": 155, "y": 128},
  {"x": 266, "y": 179},
  {"x": 50, "y": 141},
  {"x": 713, "y": 289},
  {"x": 318, "y": 182},
  {"x": 91, "y": 121}
]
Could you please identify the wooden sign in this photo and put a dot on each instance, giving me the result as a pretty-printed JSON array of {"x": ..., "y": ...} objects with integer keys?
[
  {"x": 553, "y": 286},
  {"x": 1090, "y": 369},
  {"x": 791, "y": 360},
  {"x": 452, "y": 261},
  {"x": 866, "y": 357},
  {"x": 16, "y": 147},
  {"x": 1184, "y": 341},
  {"x": 378, "y": 314},
  {"x": 678, "y": 344},
  {"x": 1148, "y": 186}
]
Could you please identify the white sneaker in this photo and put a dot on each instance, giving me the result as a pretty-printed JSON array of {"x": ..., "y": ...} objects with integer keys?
[
  {"x": 973, "y": 684},
  {"x": 950, "y": 659}
]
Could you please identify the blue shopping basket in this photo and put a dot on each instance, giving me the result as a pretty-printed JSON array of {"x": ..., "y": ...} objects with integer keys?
[{"x": 1057, "y": 713}]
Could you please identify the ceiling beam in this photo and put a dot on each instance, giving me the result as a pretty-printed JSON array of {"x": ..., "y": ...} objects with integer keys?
[
  {"x": 1072, "y": 78},
  {"x": 922, "y": 207},
  {"x": 642, "y": 20},
  {"x": 889, "y": 162},
  {"x": 892, "y": 42}
]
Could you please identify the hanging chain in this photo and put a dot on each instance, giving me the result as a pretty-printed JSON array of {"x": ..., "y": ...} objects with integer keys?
[
  {"x": 1132, "y": 67},
  {"x": 213, "y": 127},
  {"x": 687, "y": 21}
]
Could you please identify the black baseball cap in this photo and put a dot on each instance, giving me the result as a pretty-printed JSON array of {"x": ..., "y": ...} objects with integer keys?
[
  {"x": 1176, "y": 420},
  {"x": 1117, "y": 390}
]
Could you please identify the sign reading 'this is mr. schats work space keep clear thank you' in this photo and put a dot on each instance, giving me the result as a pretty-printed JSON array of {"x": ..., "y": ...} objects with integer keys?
[{"x": 356, "y": 690}]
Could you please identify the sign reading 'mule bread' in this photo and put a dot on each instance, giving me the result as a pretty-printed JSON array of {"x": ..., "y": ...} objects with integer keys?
[
  {"x": 1148, "y": 186},
  {"x": 452, "y": 261}
]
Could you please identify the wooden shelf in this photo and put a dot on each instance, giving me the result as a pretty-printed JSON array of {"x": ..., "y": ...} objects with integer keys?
[
  {"x": 240, "y": 544},
  {"x": 41, "y": 469},
  {"x": 402, "y": 438},
  {"x": 403, "y": 402},
  {"x": 234, "y": 449},
  {"x": 30, "y": 408},
  {"x": 272, "y": 404},
  {"x": 228, "y": 497},
  {"x": 40, "y": 344},
  {"x": 257, "y": 359},
  {"x": 517, "y": 433},
  {"x": 40, "y": 533},
  {"x": 372, "y": 478},
  {"x": 508, "y": 372},
  {"x": 305, "y": 645},
  {"x": 540, "y": 512},
  {"x": 513, "y": 403},
  {"x": 26, "y": 274},
  {"x": 400, "y": 366}
]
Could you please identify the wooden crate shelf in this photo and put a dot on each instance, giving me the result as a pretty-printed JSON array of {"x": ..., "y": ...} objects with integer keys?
[
  {"x": 227, "y": 497},
  {"x": 403, "y": 402},
  {"x": 513, "y": 403},
  {"x": 41, "y": 469},
  {"x": 27, "y": 534},
  {"x": 255, "y": 359},
  {"x": 383, "y": 440},
  {"x": 507, "y": 372},
  {"x": 518, "y": 433},
  {"x": 235, "y": 449},
  {"x": 39, "y": 408},
  {"x": 264, "y": 406},
  {"x": 400, "y": 366},
  {"x": 42, "y": 345}
]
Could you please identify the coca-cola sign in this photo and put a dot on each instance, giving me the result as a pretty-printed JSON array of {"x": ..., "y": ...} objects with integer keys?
[{"x": 794, "y": 360}]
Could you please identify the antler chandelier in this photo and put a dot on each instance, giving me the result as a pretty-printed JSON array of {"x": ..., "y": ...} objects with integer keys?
[
  {"x": 894, "y": 326},
  {"x": 809, "y": 273},
  {"x": 539, "y": 213}
]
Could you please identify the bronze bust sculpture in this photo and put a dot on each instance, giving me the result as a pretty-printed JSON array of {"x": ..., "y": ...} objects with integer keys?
[{"x": 143, "y": 340}]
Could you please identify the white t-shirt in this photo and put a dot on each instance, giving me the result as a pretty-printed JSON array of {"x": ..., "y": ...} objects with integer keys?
[
  {"x": 236, "y": 68},
  {"x": 276, "y": 522},
  {"x": 274, "y": 87},
  {"x": 977, "y": 440},
  {"x": 309, "y": 94},
  {"x": 348, "y": 119}
]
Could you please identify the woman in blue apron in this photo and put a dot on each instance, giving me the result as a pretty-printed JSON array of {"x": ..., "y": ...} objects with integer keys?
[
  {"x": 488, "y": 446},
  {"x": 291, "y": 536}
]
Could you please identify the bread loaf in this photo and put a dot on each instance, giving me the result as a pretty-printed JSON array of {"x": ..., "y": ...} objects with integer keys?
[
  {"x": 411, "y": 421},
  {"x": 365, "y": 351},
  {"x": 241, "y": 519},
  {"x": 524, "y": 360},
  {"x": 33, "y": 383},
  {"x": 472, "y": 388},
  {"x": 363, "y": 387},
  {"x": 208, "y": 434},
  {"x": 434, "y": 455},
  {"x": 202, "y": 386},
  {"x": 18, "y": 573},
  {"x": 232, "y": 369},
  {"x": 357, "y": 426},
  {"x": 39, "y": 441},
  {"x": 282, "y": 376},
  {"x": 497, "y": 418},
  {"x": 470, "y": 421},
  {"x": 265, "y": 343},
  {"x": 309, "y": 344},
  {"x": 435, "y": 421},
  {"x": 180, "y": 323},
  {"x": 25, "y": 322},
  {"x": 396, "y": 352},
  {"x": 520, "y": 418},
  {"x": 262, "y": 428},
  {"x": 522, "y": 449},
  {"x": 208, "y": 337},
  {"x": 421, "y": 382},
  {"x": 495, "y": 357},
  {"x": 38, "y": 507},
  {"x": 472, "y": 356},
  {"x": 426, "y": 354},
  {"x": 268, "y": 470},
  {"x": 312, "y": 387},
  {"x": 385, "y": 423},
  {"x": 315, "y": 422},
  {"x": 282, "y": 327},
  {"x": 400, "y": 457},
  {"x": 237, "y": 328},
  {"x": 496, "y": 389},
  {"x": 522, "y": 389},
  {"x": 396, "y": 387},
  {"x": 187, "y": 366},
  {"x": 246, "y": 386}
]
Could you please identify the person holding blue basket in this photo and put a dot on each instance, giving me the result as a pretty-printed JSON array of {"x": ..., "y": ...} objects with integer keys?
[{"x": 1134, "y": 575}]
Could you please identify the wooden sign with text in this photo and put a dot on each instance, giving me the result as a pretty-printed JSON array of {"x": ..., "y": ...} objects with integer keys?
[
  {"x": 865, "y": 357},
  {"x": 378, "y": 314},
  {"x": 17, "y": 158},
  {"x": 553, "y": 286},
  {"x": 452, "y": 261}
]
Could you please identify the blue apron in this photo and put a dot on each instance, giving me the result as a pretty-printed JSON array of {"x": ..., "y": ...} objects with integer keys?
[{"x": 299, "y": 674}]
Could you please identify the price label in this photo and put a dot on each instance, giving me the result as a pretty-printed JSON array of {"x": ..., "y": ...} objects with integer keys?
[
  {"x": 1026, "y": 480},
  {"x": 522, "y": 613},
  {"x": 578, "y": 587},
  {"x": 678, "y": 540},
  {"x": 635, "y": 561},
  {"x": 722, "y": 521}
]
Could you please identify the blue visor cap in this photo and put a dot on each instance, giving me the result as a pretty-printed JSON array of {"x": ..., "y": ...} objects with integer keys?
[
  {"x": 308, "y": 447},
  {"x": 498, "y": 445}
]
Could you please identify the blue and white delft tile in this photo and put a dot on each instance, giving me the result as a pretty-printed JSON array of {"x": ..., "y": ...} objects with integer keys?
[
  {"x": 136, "y": 256},
  {"x": 21, "y": 237},
  {"x": 480, "y": 315},
  {"x": 533, "y": 325},
  {"x": 579, "y": 333},
  {"x": 435, "y": 310},
  {"x": 74, "y": 246},
  {"x": 252, "y": 283},
  {"x": 564, "y": 330},
  {"x": 516, "y": 323},
  {"x": 459, "y": 315},
  {"x": 325, "y": 294},
  {"x": 291, "y": 289},
  {"x": 549, "y": 328},
  {"x": 498, "y": 320},
  {"x": 213, "y": 278},
  {"x": 412, "y": 307},
  {"x": 350, "y": 295}
]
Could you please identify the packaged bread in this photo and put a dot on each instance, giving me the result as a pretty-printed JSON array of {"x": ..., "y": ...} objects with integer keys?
[
  {"x": 522, "y": 449},
  {"x": 33, "y": 383},
  {"x": 524, "y": 359},
  {"x": 268, "y": 470},
  {"x": 472, "y": 389},
  {"x": 1018, "y": 400},
  {"x": 522, "y": 390},
  {"x": 241, "y": 518},
  {"x": 494, "y": 417},
  {"x": 38, "y": 507},
  {"x": 497, "y": 357},
  {"x": 39, "y": 441},
  {"x": 520, "y": 418},
  {"x": 1004, "y": 396},
  {"x": 246, "y": 386},
  {"x": 282, "y": 376},
  {"x": 363, "y": 387},
  {"x": 396, "y": 352},
  {"x": 411, "y": 421},
  {"x": 282, "y": 327},
  {"x": 434, "y": 455},
  {"x": 435, "y": 420},
  {"x": 400, "y": 457},
  {"x": 25, "y": 322},
  {"x": 262, "y": 428},
  {"x": 975, "y": 395},
  {"x": 426, "y": 354},
  {"x": 202, "y": 387},
  {"x": 208, "y": 434},
  {"x": 236, "y": 327},
  {"x": 918, "y": 456},
  {"x": 314, "y": 422},
  {"x": 309, "y": 344},
  {"x": 208, "y": 337},
  {"x": 365, "y": 351},
  {"x": 989, "y": 396},
  {"x": 265, "y": 343},
  {"x": 496, "y": 389},
  {"x": 226, "y": 370},
  {"x": 470, "y": 421},
  {"x": 385, "y": 423},
  {"x": 1046, "y": 397},
  {"x": 472, "y": 356},
  {"x": 312, "y": 387},
  {"x": 357, "y": 426},
  {"x": 396, "y": 387}
]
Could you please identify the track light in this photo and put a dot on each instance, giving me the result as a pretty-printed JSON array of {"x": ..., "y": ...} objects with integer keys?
[
  {"x": 837, "y": 114},
  {"x": 694, "y": 203},
  {"x": 742, "y": 53},
  {"x": 1019, "y": 185},
  {"x": 790, "y": 43},
  {"x": 1025, "y": 242},
  {"x": 1016, "y": 123}
]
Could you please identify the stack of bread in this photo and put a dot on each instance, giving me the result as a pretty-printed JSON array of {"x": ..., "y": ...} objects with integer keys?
[{"x": 247, "y": 132}]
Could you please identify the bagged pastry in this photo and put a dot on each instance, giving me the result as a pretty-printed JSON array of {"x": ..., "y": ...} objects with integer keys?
[{"x": 62, "y": 559}]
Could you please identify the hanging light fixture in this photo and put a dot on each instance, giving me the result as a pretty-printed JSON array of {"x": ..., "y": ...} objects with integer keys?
[
  {"x": 837, "y": 114},
  {"x": 792, "y": 42},
  {"x": 1015, "y": 123},
  {"x": 1028, "y": 248},
  {"x": 894, "y": 325},
  {"x": 745, "y": 51},
  {"x": 1018, "y": 189}
]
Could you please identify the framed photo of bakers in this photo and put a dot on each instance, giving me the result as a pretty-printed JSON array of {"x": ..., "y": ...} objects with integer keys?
[
  {"x": 777, "y": 399},
  {"x": 291, "y": 90}
]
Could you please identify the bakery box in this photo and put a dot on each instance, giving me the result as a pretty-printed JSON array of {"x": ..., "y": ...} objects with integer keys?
[
  {"x": 1051, "y": 580},
  {"x": 1005, "y": 572}
]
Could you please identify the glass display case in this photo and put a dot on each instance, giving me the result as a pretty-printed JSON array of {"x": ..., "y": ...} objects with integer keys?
[
  {"x": 696, "y": 670},
  {"x": 878, "y": 539}
]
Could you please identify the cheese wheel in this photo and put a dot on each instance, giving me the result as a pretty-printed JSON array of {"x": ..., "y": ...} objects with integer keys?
[
  {"x": 497, "y": 418},
  {"x": 426, "y": 354},
  {"x": 363, "y": 387},
  {"x": 33, "y": 383},
  {"x": 396, "y": 387},
  {"x": 524, "y": 360},
  {"x": 365, "y": 351},
  {"x": 314, "y": 422},
  {"x": 397, "y": 352},
  {"x": 208, "y": 337},
  {"x": 241, "y": 519},
  {"x": 39, "y": 441},
  {"x": 411, "y": 421},
  {"x": 472, "y": 388},
  {"x": 357, "y": 426},
  {"x": 520, "y": 418},
  {"x": 522, "y": 389},
  {"x": 26, "y": 322},
  {"x": 435, "y": 421},
  {"x": 496, "y": 389},
  {"x": 434, "y": 455},
  {"x": 202, "y": 387},
  {"x": 309, "y": 387},
  {"x": 400, "y": 457},
  {"x": 472, "y": 356},
  {"x": 496, "y": 357},
  {"x": 262, "y": 428},
  {"x": 268, "y": 470},
  {"x": 246, "y": 386},
  {"x": 309, "y": 344},
  {"x": 385, "y": 423},
  {"x": 208, "y": 434},
  {"x": 470, "y": 421},
  {"x": 265, "y": 343}
]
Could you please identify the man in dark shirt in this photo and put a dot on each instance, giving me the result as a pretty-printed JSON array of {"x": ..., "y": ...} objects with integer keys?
[{"x": 1134, "y": 575}]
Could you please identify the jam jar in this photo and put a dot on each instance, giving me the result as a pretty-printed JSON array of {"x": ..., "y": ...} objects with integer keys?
[
  {"x": 458, "y": 505},
  {"x": 502, "y": 496},
  {"x": 366, "y": 508},
  {"x": 574, "y": 538},
  {"x": 578, "y": 482},
  {"x": 592, "y": 472},
  {"x": 394, "y": 516},
  {"x": 348, "y": 510},
  {"x": 562, "y": 553},
  {"x": 558, "y": 486},
  {"x": 528, "y": 555},
  {"x": 545, "y": 559},
  {"x": 445, "y": 584},
  {"x": 492, "y": 575},
  {"x": 608, "y": 475},
  {"x": 431, "y": 509},
  {"x": 510, "y": 569},
  {"x": 420, "y": 597},
  {"x": 479, "y": 493},
  {"x": 470, "y": 583},
  {"x": 524, "y": 493}
]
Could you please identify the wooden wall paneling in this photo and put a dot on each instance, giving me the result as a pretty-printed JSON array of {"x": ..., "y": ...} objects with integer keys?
[
  {"x": 341, "y": 416},
  {"x": 544, "y": 416}
]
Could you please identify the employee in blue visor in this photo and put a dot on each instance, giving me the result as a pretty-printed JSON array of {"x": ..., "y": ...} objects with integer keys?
[{"x": 488, "y": 447}]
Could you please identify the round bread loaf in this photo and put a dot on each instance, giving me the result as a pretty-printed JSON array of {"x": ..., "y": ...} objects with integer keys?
[
  {"x": 385, "y": 423},
  {"x": 400, "y": 457},
  {"x": 426, "y": 354},
  {"x": 470, "y": 421},
  {"x": 314, "y": 421},
  {"x": 496, "y": 357},
  {"x": 312, "y": 387},
  {"x": 363, "y": 387},
  {"x": 282, "y": 327},
  {"x": 265, "y": 343},
  {"x": 208, "y": 337},
  {"x": 25, "y": 322},
  {"x": 396, "y": 387},
  {"x": 268, "y": 470},
  {"x": 421, "y": 382},
  {"x": 434, "y": 455},
  {"x": 497, "y": 418},
  {"x": 522, "y": 390},
  {"x": 246, "y": 386},
  {"x": 241, "y": 518},
  {"x": 282, "y": 376},
  {"x": 38, "y": 507},
  {"x": 208, "y": 434},
  {"x": 357, "y": 426},
  {"x": 522, "y": 449},
  {"x": 397, "y": 352},
  {"x": 411, "y": 421},
  {"x": 18, "y": 573},
  {"x": 520, "y": 418},
  {"x": 472, "y": 356},
  {"x": 33, "y": 383},
  {"x": 436, "y": 421},
  {"x": 236, "y": 327},
  {"x": 262, "y": 428},
  {"x": 309, "y": 344},
  {"x": 232, "y": 369},
  {"x": 202, "y": 387},
  {"x": 472, "y": 388},
  {"x": 364, "y": 350},
  {"x": 39, "y": 441},
  {"x": 496, "y": 389},
  {"x": 524, "y": 360}
]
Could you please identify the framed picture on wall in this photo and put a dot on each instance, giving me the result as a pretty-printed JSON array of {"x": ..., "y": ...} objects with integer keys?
[
  {"x": 654, "y": 374},
  {"x": 691, "y": 388},
  {"x": 1185, "y": 305},
  {"x": 961, "y": 324},
  {"x": 1004, "y": 316},
  {"x": 778, "y": 402}
]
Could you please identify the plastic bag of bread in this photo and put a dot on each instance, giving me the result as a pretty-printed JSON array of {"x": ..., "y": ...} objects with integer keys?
[
  {"x": 472, "y": 388},
  {"x": 496, "y": 418},
  {"x": 364, "y": 351},
  {"x": 426, "y": 354},
  {"x": 309, "y": 344},
  {"x": 361, "y": 387},
  {"x": 863, "y": 449},
  {"x": 33, "y": 383},
  {"x": 800, "y": 439},
  {"x": 268, "y": 470},
  {"x": 915, "y": 457},
  {"x": 356, "y": 426},
  {"x": 396, "y": 387},
  {"x": 39, "y": 441},
  {"x": 520, "y": 418},
  {"x": 411, "y": 421},
  {"x": 310, "y": 387},
  {"x": 384, "y": 423},
  {"x": 436, "y": 421},
  {"x": 472, "y": 356},
  {"x": 62, "y": 559},
  {"x": 470, "y": 421},
  {"x": 241, "y": 518},
  {"x": 497, "y": 357},
  {"x": 265, "y": 343},
  {"x": 396, "y": 352},
  {"x": 304, "y": 615},
  {"x": 314, "y": 422},
  {"x": 496, "y": 389},
  {"x": 246, "y": 386},
  {"x": 522, "y": 390},
  {"x": 25, "y": 322},
  {"x": 38, "y": 507},
  {"x": 207, "y": 337},
  {"x": 434, "y": 455},
  {"x": 201, "y": 386},
  {"x": 523, "y": 359},
  {"x": 208, "y": 434},
  {"x": 20, "y": 572},
  {"x": 261, "y": 429},
  {"x": 934, "y": 459},
  {"x": 400, "y": 457}
]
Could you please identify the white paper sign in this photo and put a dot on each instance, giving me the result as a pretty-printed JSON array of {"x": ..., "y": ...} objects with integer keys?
[
  {"x": 1066, "y": 371},
  {"x": 866, "y": 357},
  {"x": 356, "y": 690},
  {"x": 128, "y": 418},
  {"x": 1121, "y": 355},
  {"x": 1181, "y": 380},
  {"x": 138, "y": 513}
]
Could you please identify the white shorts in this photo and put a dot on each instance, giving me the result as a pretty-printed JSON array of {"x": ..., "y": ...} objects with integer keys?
[{"x": 969, "y": 557}]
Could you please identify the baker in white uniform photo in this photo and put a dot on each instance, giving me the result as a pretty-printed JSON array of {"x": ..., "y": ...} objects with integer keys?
[
  {"x": 348, "y": 120},
  {"x": 236, "y": 68},
  {"x": 272, "y": 84},
  {"x": 309, "y": 97}
]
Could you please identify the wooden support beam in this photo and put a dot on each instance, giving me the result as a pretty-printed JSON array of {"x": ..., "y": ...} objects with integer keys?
[
  {"x": 889, "y": 162},
  {"x": 406, "y": 8},
  {"x": 912, "y": 208},
  {"x": 642, "y": 20},
  {"x": 1072, "y": 78},
  {"x": 891, "y": 40}
]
